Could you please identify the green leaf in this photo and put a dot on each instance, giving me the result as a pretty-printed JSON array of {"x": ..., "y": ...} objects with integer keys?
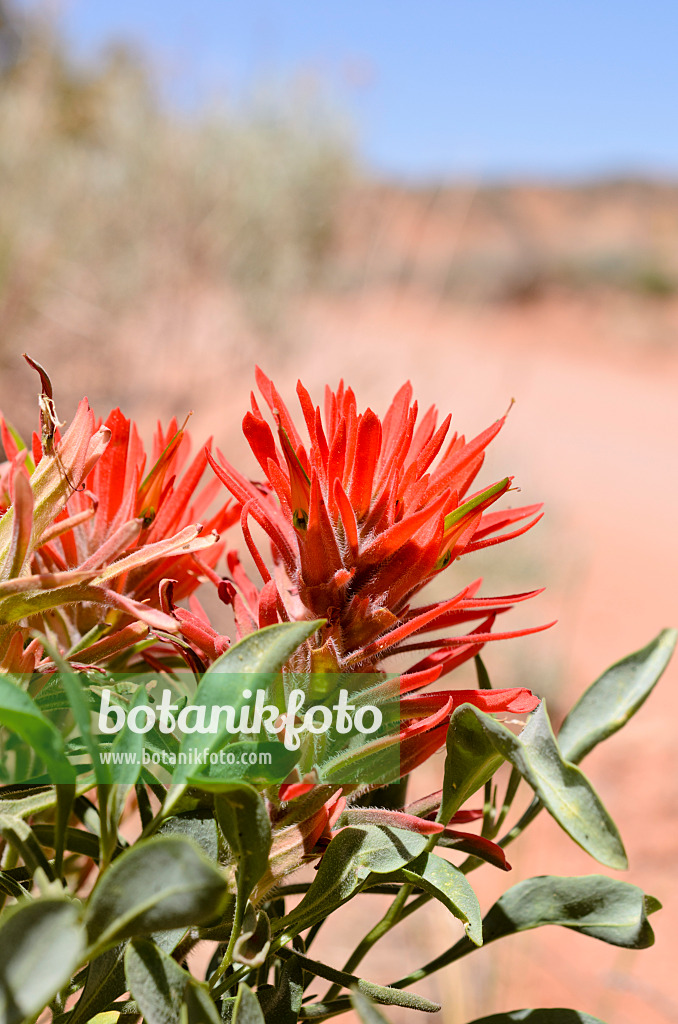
[
  {"x": 159, "y": 883},
  {"x": 163, "y": 990},
  {"x": 78, "y": 699},
  {"x": 604, "y": 908},
  {"x": 609, "y": 702},
  {"x": 261, "y": 653},
  {"x": 265, "y": 651},
  {"x": 21, "y": 714},
  {"x": 65, "y": 795},
  {"x": 365, "y": 1008},
  {"x": 131, "y": 743},
  {"x": 247, "y": 1009},
  {"x": 562, "y": 788},
  {"x": 11, "y": 887},
  {"x": 471, "y": 760},
  {"x": 77, "y": 840},
  {"x": 549, "y": 1016},
  {"x": 105, "y": 982},
  {"x": 41, "y": 944},
  {"x": 244, "y": 820},
  {"x": 199, "y": 825},
  {"x": 22, "y": 838},
  {"x": 20, "y": 801},
  {"x": 281, "y": 1005},
  {"x": 447, "y": 884},
  {"x": 353, "y": 856},
  {"x": 383, "y": 994}
]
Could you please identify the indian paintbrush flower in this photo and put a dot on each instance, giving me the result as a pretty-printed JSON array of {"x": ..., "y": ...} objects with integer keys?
[{"x": 361, "y": 520}]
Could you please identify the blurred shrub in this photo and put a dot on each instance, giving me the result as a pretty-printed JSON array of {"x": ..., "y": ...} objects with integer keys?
[{"x": 107, "y": 194}]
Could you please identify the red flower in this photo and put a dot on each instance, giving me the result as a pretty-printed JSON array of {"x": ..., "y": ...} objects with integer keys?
[
  {"x": 360, "y": 521},
  {"x": 138, "y": 528},
  {"x": 88, "y": 529}
]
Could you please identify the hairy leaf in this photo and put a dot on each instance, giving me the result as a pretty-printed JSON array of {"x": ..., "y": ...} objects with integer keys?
[
  {"x": 19, "y": 712},
  {"x": 165, "y": 993},
  {"x": 447, "y": 884},
  {"x": 105, "y": 982},
  {"x": 562, "y": 788},
  {"x": 41, "y": 943},
  {"x": 159, "y": 883},
  {"x": 281, "y": 1005},
  {"x": 244, "y": 820},
  {"x": 609, "y": 702},
  {"x": 604, "y": 908},
  {"x": 262, "y": 653},
  {"x": 352, "y": 857},
  {"x": 247, "y": 1009}
]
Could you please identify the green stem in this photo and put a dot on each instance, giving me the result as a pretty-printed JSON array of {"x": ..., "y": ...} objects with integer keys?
[
  {"x": 229, "y": 983},
  {"x": 530, "y": 814},
  {"x": 238, "y": 914},
  {"x": 390, "y": 918}
]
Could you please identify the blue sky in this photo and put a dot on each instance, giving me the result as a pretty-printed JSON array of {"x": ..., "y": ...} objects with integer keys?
[{"x": 487, "y": 88}]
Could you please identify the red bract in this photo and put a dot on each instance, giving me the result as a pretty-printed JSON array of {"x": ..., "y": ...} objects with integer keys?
[
  {"x": 360, "y": 520},
  {"x": 98, "y": 530},
  {"x": 123, "y": 509},
  {"x": 137, "y": 526}
]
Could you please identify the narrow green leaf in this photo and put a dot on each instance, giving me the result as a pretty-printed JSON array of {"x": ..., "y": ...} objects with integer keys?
[
  {"x": 105, "y": 981},
  {"x": 20, "y": 801},
  {"x": 383, "y": 994},
  {"x": 77, "y": 840},
  {"x": 159, "y": 883},
  {"x": 548, "y": 1016},
  {"x": 281, "y": 1005},
  {"x": 447, "y": 884},
  {"x": 20, "y": 835},
  {"x": 41, "y": 943},
  {"x": 20, "y": 713},
  {"x": 247, "y": 1009},
  {"x": 356, "y": 853},
  {"x": 163, "y": 989},
  {"x": 265, "y": 651},
  {"x": 563, "y": 789},
  {"x": 65, "y": 795},
  {"x": 609, "y": 702},
  {"x": 131, "y": 743},
  {"x": 11, "y": 887},
  {"x": 365, "y": 1008},
  {"x": 78, "y": 699}
]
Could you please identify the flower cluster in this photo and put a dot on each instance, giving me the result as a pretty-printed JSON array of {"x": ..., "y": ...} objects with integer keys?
[
  {"x": 362, "y": 521},
  {"x": 91, "y": 531},
  {"x": 103, "y": 543}
]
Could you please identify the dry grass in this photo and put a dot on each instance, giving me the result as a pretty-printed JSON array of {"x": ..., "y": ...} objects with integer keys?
[{"x": 108, "y": 197}]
